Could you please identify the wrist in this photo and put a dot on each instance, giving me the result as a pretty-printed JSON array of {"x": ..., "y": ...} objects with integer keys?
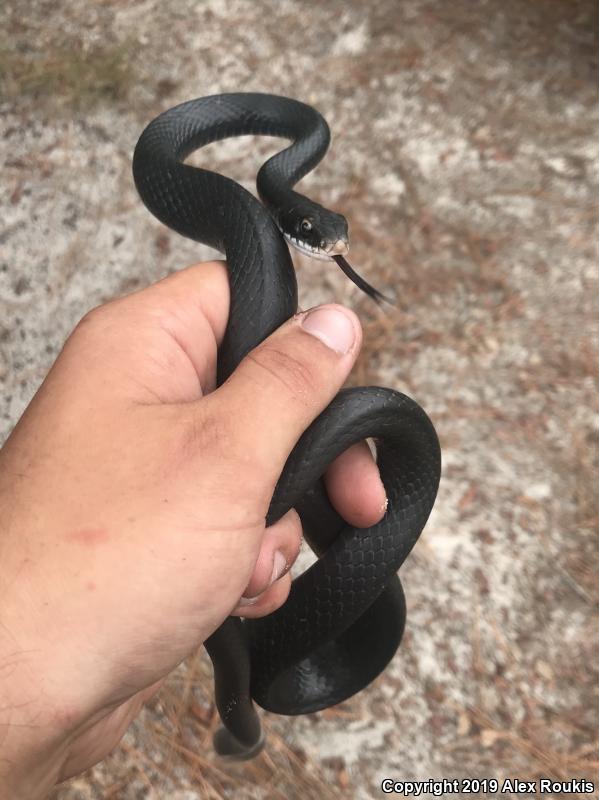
[
  {"x": 31, "y": 753},
  {"x": 25, "y": 782},
  {"x": 33, "y": 747}
]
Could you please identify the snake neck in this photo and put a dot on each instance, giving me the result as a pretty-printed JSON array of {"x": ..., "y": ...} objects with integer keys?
[
  {"x": 215, "y": 210},
  {"x": 261, "y": 278}
]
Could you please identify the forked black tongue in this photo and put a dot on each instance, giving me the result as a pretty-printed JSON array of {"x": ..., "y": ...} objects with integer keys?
[{"x": 377, "y": 296}]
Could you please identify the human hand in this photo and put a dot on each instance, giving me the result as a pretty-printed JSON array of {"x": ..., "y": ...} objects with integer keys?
[{"x": 133, "y": 499}]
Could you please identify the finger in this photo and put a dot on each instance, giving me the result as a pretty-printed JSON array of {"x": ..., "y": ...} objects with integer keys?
[
  {"x": 199, "y": 289},
  {"x": 355, "y": 488},
  {"x": 191, "y": 305},
  {"x": 282, "y": 385},
  {"x": 194, "y": 303},
  {"x": 279, "y": 549},
  {"x": 268, "y": 601}
]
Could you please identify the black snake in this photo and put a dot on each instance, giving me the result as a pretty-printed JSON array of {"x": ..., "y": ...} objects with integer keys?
[{"x": 345, "y": 615}]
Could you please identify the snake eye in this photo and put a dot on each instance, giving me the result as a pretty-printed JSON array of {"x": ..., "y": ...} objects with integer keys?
[{"x": 306, "y": 226}]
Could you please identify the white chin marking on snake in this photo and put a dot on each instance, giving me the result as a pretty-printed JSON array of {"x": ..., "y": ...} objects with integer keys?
[{"x": 306, "y": 249}]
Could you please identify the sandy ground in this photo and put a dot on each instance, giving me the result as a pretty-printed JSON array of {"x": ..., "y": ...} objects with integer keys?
[{"x": 465, "y": 156}]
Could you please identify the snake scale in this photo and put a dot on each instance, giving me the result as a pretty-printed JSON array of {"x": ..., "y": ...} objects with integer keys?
[{"x": 345, "y": 615}]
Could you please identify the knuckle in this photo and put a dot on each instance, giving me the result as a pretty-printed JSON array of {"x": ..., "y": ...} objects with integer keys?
[
  {"x": 298, "y": 378},
  {"x": 100, "y": 320},
  {"x": 90, "y": 331},
  {"x": 207, "y": 433},
  {"x": 91, "y": 318},
  {"x": 210, "y": 437}
]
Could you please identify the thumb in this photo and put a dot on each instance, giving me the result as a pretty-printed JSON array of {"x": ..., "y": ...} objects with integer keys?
[{"x": 282, "y": 385}]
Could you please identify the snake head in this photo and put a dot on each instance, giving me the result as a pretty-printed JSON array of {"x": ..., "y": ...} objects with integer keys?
[
  {"x": 320, "y": 233},
  {"x": 314, "y": 230}
]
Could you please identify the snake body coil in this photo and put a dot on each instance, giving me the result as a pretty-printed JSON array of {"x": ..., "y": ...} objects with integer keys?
[{"x": 345, "y": 615}]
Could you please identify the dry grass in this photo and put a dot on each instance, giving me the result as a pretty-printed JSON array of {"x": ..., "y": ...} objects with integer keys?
[
  {"x": 180, "y": 723},
  {"x": 68, "y": 74},
  {"x": 541, "y": 744}
]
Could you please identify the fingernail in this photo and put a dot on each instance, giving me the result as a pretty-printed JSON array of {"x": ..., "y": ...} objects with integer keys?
[
  {"x": 248, "y": 601},
  {"x": 278, "y": 567},
  {"x": 332, "y": 327}
]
